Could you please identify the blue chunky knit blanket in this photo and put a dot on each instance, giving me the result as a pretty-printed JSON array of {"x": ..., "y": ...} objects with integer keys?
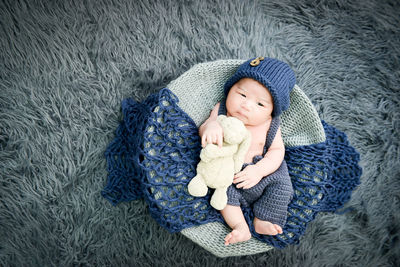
[{"x": 156, "y": 150}]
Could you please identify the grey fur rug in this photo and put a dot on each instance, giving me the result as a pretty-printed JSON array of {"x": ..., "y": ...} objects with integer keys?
[{"x": 65, "y": 66}]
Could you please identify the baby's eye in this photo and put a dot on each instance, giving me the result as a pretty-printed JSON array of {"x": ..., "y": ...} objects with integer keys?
[
  {"x": 243, "y": 95},
  {"x": 261, "y": 104}
]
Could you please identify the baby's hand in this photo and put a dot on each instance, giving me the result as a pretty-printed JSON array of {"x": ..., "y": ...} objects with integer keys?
[
  {"x": 213, "y": 134},
  {"x": 247, "y": 178}
]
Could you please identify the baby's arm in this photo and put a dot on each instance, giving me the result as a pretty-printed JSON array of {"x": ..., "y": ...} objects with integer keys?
[
  {"x": 252, "y": 174},
  {"x": 210, "y": 131}
]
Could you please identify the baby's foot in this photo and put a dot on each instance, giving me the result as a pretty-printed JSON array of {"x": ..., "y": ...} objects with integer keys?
[
  {"x": 266, "y": 228},
  {"x": 240, "y": 233}
]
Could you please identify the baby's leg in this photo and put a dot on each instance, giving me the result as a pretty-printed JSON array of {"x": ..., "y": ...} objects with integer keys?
[
  {"x": 271, "y": 209},
  {"x": 233, "y": 216}
]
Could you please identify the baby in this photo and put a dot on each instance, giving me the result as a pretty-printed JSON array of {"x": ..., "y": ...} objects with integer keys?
[{"x": 256, "y": 94}]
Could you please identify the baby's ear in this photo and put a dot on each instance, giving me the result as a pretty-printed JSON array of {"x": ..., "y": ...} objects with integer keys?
[{"x": 221, "y": 118}]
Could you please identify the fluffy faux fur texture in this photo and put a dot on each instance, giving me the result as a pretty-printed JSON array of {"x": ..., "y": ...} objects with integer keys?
[{"x": 65, "y": 66}]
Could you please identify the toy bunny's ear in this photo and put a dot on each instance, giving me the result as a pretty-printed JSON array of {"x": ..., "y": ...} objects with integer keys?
[{"x": 221, "y": 118}]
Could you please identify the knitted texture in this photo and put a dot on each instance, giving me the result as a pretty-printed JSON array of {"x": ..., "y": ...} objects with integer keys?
[
  {"x": 274, "y": 74},
  {"x": 168, "y": 155},
  {"x": 268, "y": 199},
  {"x": 124, "y": 172},
  {"x": 154, "y": 156},
  {"x": 211, "y": 235},
  {"x": 300, "y": 124},
  {"x": 204, "y": 83}
]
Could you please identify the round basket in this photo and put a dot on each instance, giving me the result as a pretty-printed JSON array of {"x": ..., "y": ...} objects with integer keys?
[{"x": 156, "y": 150}]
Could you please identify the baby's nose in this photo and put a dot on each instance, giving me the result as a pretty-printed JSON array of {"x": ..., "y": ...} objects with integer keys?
[{"x": 246, "y": 104}]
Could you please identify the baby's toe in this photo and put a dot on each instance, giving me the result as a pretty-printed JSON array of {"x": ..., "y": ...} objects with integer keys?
[{"x": 278, "y": 229}]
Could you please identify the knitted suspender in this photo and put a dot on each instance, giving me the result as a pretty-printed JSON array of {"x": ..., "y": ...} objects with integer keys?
[{"x": 273, "y": 129}]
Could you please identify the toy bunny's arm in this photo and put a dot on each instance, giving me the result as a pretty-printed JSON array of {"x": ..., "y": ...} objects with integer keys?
[
  {"x": 212, "y": 151},
  {"x": 242, "y": 151}
]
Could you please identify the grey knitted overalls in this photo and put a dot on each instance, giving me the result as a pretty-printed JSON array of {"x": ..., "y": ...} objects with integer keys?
[{"x": 271, "y": 196}]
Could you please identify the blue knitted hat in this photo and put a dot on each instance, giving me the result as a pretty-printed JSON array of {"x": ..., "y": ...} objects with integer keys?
[{"x": 274, "y": 74}]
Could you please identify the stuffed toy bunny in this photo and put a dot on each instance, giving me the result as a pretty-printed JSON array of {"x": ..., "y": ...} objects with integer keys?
[{"x": 218, "y": 165}]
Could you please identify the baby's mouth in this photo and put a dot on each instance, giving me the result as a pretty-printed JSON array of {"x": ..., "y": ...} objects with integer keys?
[{"x": 240, "y": 114}]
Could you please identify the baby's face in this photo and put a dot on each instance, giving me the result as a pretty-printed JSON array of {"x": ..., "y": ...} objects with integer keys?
[{"x": 249, "y": 101}]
